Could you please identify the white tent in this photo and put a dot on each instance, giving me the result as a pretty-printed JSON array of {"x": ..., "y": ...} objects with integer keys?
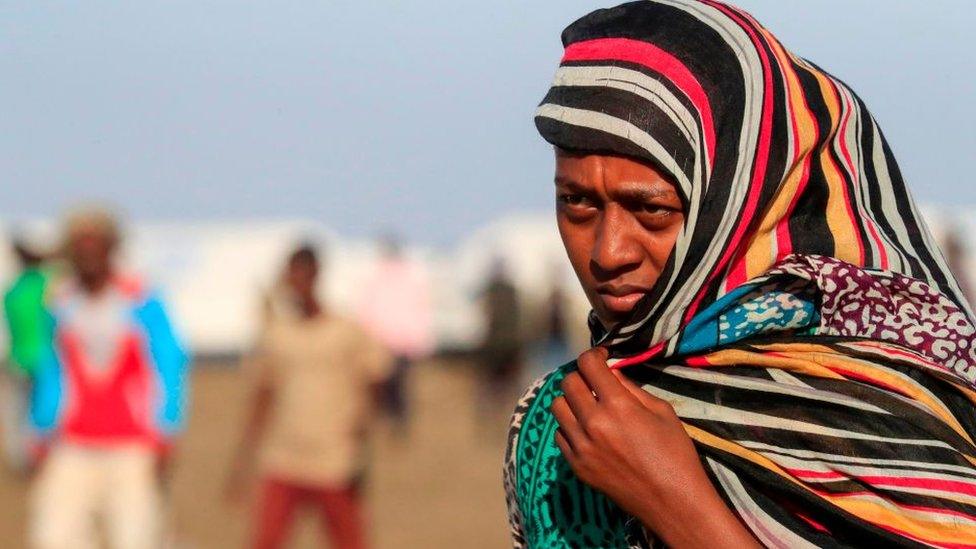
[{"x": 214, "y": 273}]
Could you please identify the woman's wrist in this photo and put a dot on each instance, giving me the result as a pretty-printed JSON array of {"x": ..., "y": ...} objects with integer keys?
[{"x": 693, "y": 515}]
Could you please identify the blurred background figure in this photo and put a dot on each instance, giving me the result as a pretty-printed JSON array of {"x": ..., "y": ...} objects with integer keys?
[
  {"x": 957, "y": 257},
  {"x": 553, "y": 349},
  {"x": 108, "y": 400},
  {"x": 501, "y": 348},
  {"x": 395, "y": 308},
  {"x": 29, "y": 330},
  {"x": 316, "y": 377}
]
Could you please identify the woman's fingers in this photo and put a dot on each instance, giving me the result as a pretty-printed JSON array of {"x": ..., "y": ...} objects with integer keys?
[
  {"x": 646, "y": 399},
  {"x": 564, "y": 446},
  {"x": 569, "y": 425},
  {"x": 631, "y": 387},
  {"x": 593, "y": 367},
  {"x": 579, "y": 396}
]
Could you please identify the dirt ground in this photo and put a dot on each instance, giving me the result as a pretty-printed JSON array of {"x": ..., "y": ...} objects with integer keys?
[{"x": 440, "y": 486}]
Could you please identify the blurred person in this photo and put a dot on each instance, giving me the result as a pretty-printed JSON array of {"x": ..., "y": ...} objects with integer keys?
[
  {"x": 957, "y": 256},
  {"x": 108, "y": 402},
  {"x": 501, "y": 350},
  {"x": 395, "y": 309},
  {"x": 30, "y": 330},
  {"x": 316, "y": 377},
  {"x": 781, "y": 356},
  {"x": 553, "y": 347}
]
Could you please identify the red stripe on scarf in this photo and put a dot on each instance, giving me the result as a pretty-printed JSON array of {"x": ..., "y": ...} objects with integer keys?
[
  {"x": 737, "y": 276},
  {"x": 648, "y": 55}
]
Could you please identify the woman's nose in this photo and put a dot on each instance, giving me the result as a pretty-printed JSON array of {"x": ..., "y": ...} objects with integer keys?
[{"x": 616, "y": 250}]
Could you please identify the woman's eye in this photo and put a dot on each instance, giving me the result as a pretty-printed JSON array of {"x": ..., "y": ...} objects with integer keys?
[
  {"x": 573, "y": 199},
  {"x": 655, "y": 208},
  {"x": 657, "y": 215}
]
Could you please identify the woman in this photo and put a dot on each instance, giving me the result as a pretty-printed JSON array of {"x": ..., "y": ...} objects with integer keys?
[{"x": 781, "y": 356}]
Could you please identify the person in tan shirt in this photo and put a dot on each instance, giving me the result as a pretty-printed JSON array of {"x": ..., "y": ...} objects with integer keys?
[{"x": 316, "y": 375}]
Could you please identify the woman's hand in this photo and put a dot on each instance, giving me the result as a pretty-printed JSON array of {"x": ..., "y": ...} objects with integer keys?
[{"x": 631, "y": 446}]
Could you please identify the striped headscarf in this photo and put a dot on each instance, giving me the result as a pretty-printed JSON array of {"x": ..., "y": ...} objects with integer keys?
[{"x": 806, "y": 327}]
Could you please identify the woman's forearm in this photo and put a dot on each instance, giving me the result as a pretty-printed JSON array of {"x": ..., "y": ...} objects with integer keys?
[{"x": 696, "y": 517}]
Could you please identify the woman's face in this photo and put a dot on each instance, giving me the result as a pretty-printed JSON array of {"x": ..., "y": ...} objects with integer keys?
[{"x": 619, "y": 220}]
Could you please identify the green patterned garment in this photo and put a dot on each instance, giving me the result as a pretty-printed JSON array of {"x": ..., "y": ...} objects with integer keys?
[{"x": 549, "y": 506}]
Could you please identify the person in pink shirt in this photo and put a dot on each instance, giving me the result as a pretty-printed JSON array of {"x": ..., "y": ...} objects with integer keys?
[{"x": 395, "y": 308}]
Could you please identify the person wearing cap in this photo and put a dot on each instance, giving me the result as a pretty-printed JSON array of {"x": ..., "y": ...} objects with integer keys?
[
  {"x": 29, "y": 331},
  {"x": 108, "y": 401}
]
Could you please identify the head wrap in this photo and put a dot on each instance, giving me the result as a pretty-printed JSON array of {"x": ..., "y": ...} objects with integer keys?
[{"x": 806, "y": 328}]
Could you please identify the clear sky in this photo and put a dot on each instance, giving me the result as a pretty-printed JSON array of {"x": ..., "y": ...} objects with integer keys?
[{"x": 409, "y": 115}]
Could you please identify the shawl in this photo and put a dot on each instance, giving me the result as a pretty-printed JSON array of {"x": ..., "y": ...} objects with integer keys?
[{"x": 806, "y": 328}]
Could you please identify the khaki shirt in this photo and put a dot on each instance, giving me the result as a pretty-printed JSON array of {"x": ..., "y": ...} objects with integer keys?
[{"x": 321, "y": 371}]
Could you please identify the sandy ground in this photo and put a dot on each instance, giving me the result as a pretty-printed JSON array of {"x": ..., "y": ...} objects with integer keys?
[{"x": 438, "y": 487}]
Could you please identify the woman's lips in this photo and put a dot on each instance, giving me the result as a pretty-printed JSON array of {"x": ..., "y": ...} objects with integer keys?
[{"x": 621, "y": 300}]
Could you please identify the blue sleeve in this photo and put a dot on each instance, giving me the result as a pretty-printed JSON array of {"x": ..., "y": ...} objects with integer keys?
[
  {"x": 46, "y": 394},
  {"x": 171, "y": 363}
]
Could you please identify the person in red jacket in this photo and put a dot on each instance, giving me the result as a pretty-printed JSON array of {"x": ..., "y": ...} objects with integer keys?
[{"x": 108, "y": 400}]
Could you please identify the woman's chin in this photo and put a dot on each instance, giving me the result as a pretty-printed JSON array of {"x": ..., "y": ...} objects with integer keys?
[{"x": 609, "y": 318}]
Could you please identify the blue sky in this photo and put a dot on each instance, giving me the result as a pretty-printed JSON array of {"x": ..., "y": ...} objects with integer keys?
[{"x": 368, "y": 115}]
